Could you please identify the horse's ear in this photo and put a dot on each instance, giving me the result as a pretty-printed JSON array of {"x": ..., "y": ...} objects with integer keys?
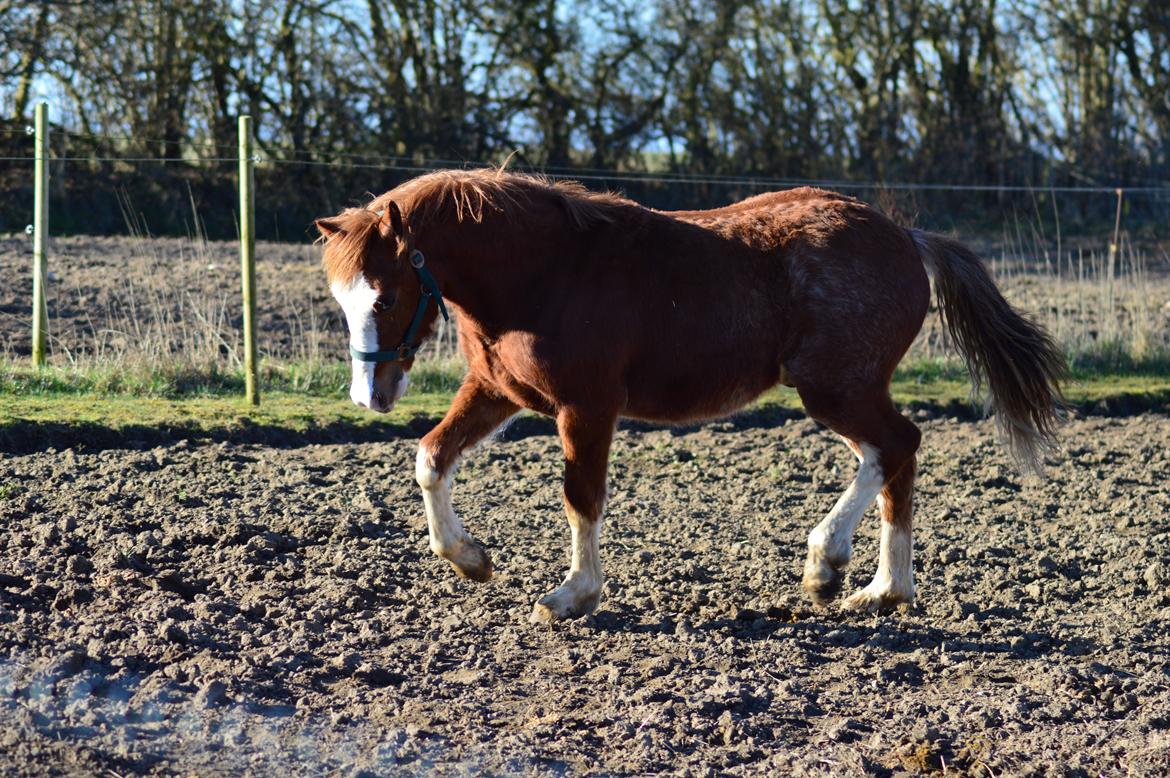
[
  {"x": 390, "y": 224},
  {"x": 327, "y": 227}
]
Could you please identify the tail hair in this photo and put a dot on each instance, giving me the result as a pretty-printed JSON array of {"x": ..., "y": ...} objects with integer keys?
[{"x": 1012, "y": 355}]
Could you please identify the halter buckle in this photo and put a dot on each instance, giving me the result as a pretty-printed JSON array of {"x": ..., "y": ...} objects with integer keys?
[{"x": 417, "y": 259}]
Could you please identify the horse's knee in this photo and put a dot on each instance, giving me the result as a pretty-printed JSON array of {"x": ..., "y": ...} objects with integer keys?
[{"x": 426, "y": 474}]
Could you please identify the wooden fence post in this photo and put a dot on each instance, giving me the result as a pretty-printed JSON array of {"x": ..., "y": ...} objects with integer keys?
[
  {"x": 40, "y": 312},
  {"x": 248, "y": 259},
  {"x": 1115, "y": 246}
]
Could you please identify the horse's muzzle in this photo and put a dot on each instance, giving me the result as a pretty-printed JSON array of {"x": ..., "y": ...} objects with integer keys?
[
  {"x": 379, "y": 403},
  {"x": 381, "y": 400}
]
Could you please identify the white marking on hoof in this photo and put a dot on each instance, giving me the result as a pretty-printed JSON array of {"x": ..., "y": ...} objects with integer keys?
[
  {"x": 448, "y": 539},
  {"x": 874, "y": 598},
  {"x": 893, "y": 584},
  {"x": 830, "y": 544},
  {"x": 581, "y": 591},
  {"x": 572, "y": 599}
]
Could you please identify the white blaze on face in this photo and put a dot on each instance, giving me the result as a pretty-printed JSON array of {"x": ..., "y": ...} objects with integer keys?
[{"x": 357, "y": 300}]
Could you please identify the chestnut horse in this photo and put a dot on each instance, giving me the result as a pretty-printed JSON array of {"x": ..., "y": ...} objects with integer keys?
[{"x": 588, "y": 307}]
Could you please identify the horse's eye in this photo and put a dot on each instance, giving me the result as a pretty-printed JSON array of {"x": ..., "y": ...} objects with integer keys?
[{"x": 383, "y": 303}]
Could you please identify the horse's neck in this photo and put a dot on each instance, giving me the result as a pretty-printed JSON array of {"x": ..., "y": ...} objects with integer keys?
[{"x": 486, "y": 270}]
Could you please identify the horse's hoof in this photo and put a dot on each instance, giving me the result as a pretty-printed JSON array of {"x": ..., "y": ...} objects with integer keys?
[
  {"x": 873, "y": 599},
  {"x": 471, "y": 561},
  {"x": 822, "y": 581},
  {"x": 562, "y": 604},
  {"x": 542, "y": 614}
]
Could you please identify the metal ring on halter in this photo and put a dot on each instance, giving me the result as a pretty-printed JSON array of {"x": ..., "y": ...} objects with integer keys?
[{"x": 416, "y": 259}]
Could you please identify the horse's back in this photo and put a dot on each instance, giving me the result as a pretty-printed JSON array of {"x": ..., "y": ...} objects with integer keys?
[
  {"x": 789, "y": 200},
  {"x": 850, "y": 282}
]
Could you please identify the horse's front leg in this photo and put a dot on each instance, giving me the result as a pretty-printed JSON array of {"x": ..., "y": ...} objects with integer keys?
[
  {"x": 585, "y": 438},
  {"x": 474, "y": 413}
]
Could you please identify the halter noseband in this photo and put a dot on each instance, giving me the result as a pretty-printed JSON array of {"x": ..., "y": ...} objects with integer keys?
[{"x": 430, "y": 290}]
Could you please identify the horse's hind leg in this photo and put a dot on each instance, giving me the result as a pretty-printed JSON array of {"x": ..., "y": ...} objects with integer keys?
[
  {"x": 586, "y": 439},
  {"x": 473, "y": 414},
  {"x": 884, "y": 442},
  {"x": 894, "y": 580},
  {"x": 830, "y": 544}
]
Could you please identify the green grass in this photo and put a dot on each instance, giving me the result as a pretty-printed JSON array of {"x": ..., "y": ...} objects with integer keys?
[
  {"x": 302, "y": 378},
  {"x": 283, "y": 410},
  {"x": 71, "y": 402}
]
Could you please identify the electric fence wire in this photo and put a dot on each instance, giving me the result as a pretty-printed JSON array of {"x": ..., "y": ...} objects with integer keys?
[
  {"x": 426, "y": 164},
  {"x": 714, "y": 180},
  {"x": 67, "y": 134},
  {"x": 286, "y": 155},
  {"x": 187, "y": 160},
  {"x": 367, "y": 160}
]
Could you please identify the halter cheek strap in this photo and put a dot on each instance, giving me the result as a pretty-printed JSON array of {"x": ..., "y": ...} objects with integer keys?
[{"x": 430, "y": 291}]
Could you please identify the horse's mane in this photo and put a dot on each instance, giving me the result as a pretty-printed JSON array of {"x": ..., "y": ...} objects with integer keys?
[
  {"x": 465, "y": 195},
  {"x": 476, "y": 194}
]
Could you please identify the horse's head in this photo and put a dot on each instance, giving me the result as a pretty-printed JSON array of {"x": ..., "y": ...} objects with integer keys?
[{"x": 378, "y": 276}]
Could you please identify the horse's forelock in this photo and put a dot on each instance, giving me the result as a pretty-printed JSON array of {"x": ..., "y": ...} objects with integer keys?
[{"x": 345, "y": 252}]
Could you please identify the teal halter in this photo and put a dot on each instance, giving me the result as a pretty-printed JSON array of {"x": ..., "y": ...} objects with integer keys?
[{"x": 430, "y": 291}]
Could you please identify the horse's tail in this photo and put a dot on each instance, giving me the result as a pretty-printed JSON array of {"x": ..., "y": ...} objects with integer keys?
[{"x": 1013, "y": 355}]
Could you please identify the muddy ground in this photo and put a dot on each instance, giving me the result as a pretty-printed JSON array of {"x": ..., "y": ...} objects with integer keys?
[{"x": 249, "y": 606}]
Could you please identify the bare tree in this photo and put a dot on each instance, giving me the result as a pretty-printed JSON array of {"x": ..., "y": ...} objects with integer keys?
[{"x": 977, "y": 91}]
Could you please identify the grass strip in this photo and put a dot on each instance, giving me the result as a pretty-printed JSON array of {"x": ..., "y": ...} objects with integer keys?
[{"x": 66, "y": 417}]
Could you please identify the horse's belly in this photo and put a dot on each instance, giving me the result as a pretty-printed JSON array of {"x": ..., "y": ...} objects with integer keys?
[{"x": 705, "y": 393}]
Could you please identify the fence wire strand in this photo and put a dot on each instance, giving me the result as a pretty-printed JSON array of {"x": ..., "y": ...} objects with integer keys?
[
  {"x": 416, "y": 164},
  {"x": 288, "y": 155},
  {"x": 197, "y": 161}
]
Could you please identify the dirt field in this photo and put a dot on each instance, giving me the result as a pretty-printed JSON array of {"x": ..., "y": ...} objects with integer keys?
[{"x": 237, "y": 606}]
